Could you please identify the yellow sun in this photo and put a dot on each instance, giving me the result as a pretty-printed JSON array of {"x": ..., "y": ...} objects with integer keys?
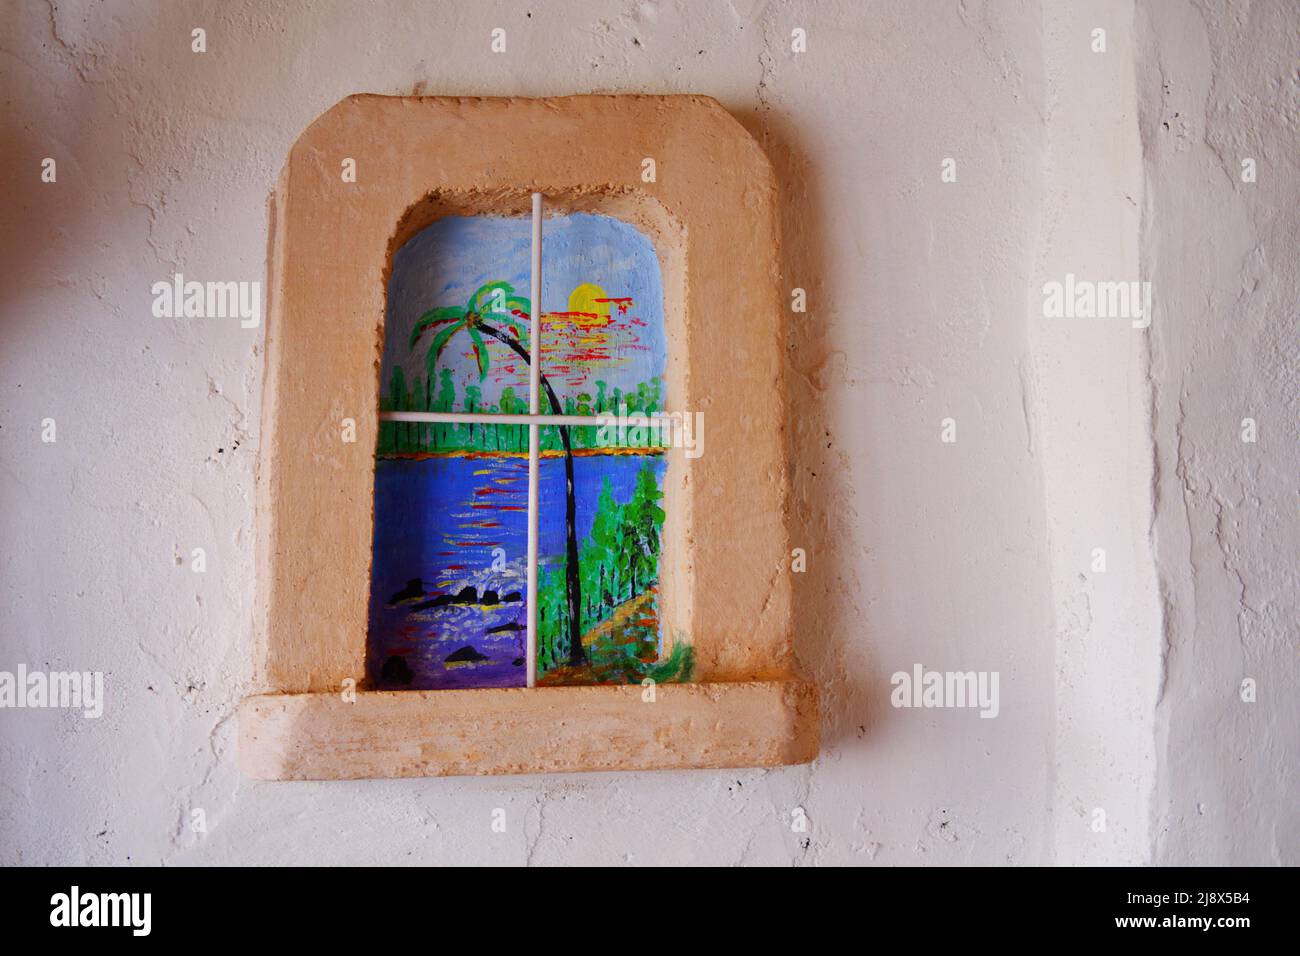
[{"x": 583, "y": 299}]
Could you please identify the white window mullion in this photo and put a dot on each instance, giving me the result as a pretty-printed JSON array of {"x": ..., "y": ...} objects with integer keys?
[
  {"x": 534, "y": 403},
  {"x": 492, "y": 418}
]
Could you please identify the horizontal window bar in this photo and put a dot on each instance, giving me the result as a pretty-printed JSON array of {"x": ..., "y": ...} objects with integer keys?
[{"x": 591, "y": 421}]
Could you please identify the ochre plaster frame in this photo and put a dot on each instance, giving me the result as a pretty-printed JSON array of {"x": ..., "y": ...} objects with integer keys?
[{"x": 712, "y": 215}]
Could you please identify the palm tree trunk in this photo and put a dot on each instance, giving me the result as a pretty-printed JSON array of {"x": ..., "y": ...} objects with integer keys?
[{"x": 572, "y": 582}]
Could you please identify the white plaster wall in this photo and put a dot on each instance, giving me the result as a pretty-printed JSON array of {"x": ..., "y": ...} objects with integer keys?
[
  {"x": 1086, "y": 388},
  {"x": 1222, "y": 86},
  {"x": 1117, "y": 689}
]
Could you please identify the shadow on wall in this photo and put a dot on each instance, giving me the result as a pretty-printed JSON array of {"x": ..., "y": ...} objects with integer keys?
[
  {"x": 831, "y": 640},
  {"x": 43, "y": 228}
]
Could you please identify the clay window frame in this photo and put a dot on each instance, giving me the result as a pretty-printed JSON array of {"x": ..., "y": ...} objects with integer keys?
[{"x": 710, "y": 212}]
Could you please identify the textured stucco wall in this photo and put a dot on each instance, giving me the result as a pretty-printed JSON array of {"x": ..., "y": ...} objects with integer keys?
[
  {"x": 1117, "y": 690},
  {"x": 1220, "y": 86}
]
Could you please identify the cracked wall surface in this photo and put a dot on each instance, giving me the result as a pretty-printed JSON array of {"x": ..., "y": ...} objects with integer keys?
[
  {"x": 922, "y": 305},
  {"x": 1220, "y": 86}
]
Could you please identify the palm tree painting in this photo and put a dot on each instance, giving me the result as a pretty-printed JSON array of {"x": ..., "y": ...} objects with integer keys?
[
  {"x": 449, "y": 601},
  {"x": 494, "y": 310}
]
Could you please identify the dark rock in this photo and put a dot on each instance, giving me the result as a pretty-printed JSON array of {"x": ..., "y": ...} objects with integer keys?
[
  {"x": 413, "y": 591},
  {"x": 518, "y": 662},
  {"x": 442, "y": 600},
  {"x": 465, "y": 654},
  {"x": 514, "y": 597},
  {"x": 502, "y": 628},
  {"x": 466, "y": 595},
  {"x": 397, "y": 671},
  {"x": 489, "y": 597}
]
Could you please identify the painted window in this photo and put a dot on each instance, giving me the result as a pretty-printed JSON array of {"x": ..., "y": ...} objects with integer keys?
[{"x": 450, "y": 603}]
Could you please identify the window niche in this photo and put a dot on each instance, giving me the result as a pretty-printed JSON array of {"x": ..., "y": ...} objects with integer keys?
[
  {"x": 450, "y": 601},
  {"x": 403, "y": 301}
]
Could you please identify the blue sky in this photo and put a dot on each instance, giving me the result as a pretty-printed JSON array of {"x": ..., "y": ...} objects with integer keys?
[{"x": 444, "y": 263}]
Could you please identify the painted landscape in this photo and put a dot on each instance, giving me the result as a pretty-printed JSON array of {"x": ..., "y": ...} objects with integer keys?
[{"x": 449, "y": 601}]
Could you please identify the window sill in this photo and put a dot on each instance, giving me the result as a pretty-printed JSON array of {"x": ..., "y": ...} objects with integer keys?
[{"x": 510, "y": 731}]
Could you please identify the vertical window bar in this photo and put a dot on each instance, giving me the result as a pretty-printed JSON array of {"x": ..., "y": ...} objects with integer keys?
[{"x": 534, "y": 387}]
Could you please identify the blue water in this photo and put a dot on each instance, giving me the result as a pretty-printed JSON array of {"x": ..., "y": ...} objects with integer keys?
[{"x": 458, "y": 523}]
